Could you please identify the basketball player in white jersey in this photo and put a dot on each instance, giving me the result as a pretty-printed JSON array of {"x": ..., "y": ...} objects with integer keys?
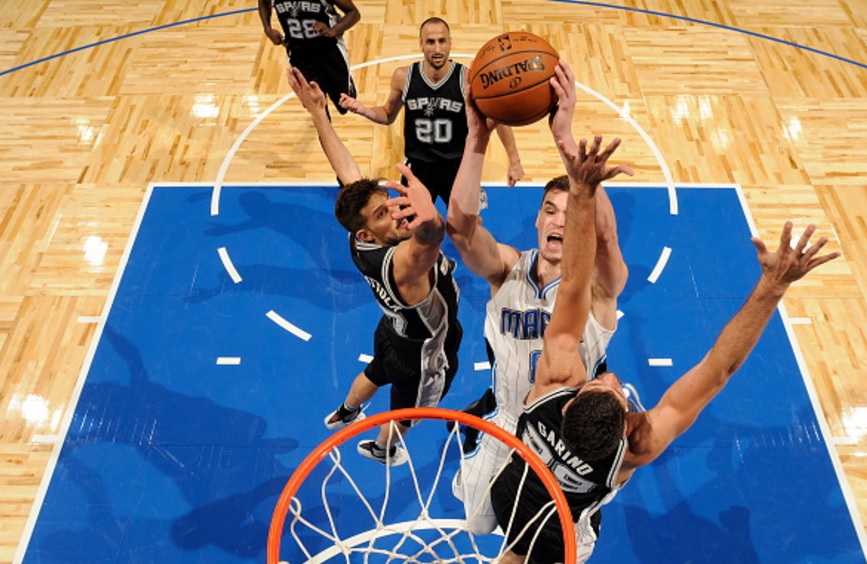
[
  {"x": 523, "y": 290},
  {"x": 584, "y": 430},
  {"x": 431, "y": 92}
]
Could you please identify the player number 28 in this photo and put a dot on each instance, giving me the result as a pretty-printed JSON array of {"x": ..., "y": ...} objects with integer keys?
[{"x": 302, "y": 29}]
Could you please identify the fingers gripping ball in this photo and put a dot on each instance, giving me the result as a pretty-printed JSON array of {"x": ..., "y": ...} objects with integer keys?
[{"x": 509, "y": 78}]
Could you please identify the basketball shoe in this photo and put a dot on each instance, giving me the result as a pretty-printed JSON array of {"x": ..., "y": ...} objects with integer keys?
[
  {"x": 395, "y": 457},
  {"x": 343, "y": 416}
]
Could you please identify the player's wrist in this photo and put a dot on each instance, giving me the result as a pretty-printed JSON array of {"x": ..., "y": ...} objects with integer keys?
[{"x": 770, "y": 288}]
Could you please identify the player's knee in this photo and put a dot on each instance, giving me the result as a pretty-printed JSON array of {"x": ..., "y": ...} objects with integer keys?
[{"x": 482, "y": 524}]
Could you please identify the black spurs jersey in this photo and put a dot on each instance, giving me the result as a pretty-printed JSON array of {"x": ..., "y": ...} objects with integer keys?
[
  {"x": 434, "y": 318},
  {"x": 297, "y": 18},
  {"x": 435, "y": 121},
  {"x": 587, "y": 485}
]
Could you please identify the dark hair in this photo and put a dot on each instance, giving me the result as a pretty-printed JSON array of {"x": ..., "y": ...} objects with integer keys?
[
  {"x": 593, "y": 425},
  {"x": 433, "y": 20},
  {"x": 559, "y": 183},
  {"x": 353, "y": 197}
]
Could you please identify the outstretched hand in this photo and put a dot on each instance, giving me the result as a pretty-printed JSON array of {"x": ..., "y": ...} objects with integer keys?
[
  {"x": 415, "y": 202},
  {"x": 309, "y": 93},
  {"x": 589, "y": 167},
  {"x": 586, "y": 168},
  {"x": 788, "y": 264}
]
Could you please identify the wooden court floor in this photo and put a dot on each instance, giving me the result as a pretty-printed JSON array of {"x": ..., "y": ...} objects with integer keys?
[{"x": 771, "y": 95}]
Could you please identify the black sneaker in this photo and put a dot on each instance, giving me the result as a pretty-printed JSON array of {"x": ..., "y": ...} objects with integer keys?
[
  {"x": 341, "y": 417},
  {"x": 396, "y": 455}
]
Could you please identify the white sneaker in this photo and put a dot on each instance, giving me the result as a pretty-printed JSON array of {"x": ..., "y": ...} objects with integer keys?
[{"x": 369, "y": 449}]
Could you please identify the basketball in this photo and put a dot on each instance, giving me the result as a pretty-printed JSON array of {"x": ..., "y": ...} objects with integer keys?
[{"x": 509, "y": 78}]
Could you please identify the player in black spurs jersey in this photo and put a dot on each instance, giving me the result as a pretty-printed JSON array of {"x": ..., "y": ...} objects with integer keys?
[
  {"x": 313, "y": 37},
  {"x": 395, "y": 243},
  {"x": 584, "y": 431},
  {"x": 431, "y": 92}
]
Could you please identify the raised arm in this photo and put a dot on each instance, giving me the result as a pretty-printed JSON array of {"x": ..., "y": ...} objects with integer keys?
[
  {"x": 652, "y": 431},
  {"x": 560, "y": 363},
  {"x": 388, "y": 112},
  {"x": 415, "y": 257},
  {"x": 350, "y": 17},
  {"x": 507, "y": 137},
  {"x": 477, "y": 247},
  {"x": 609, "y": 270},
  {"x": 313, "y": 100}
]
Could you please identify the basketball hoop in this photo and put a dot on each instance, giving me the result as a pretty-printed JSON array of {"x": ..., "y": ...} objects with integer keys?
[{"x": 428, "y": 536}]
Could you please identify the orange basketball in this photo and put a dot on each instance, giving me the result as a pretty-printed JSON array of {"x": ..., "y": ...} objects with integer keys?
[{"x": 509, "y": 78}]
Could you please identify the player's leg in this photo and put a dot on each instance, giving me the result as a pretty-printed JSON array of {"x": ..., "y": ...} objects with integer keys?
[
  {"x": 397, "y": 368},
  {"x": 480, "y": 407},
  {"x": 350, "y": 410},
  {"x": 472, "y": 483},
  {"x": 313, "y": 70},
  {"x": 510, "y": 557},
  {"x": 386, "y": 448},
  {"x": 365, "y": 385},
  {"x": 335, "y": 78}
]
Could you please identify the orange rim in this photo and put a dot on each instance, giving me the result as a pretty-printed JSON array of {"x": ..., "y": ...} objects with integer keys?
[{"x": 278, "y": 520}]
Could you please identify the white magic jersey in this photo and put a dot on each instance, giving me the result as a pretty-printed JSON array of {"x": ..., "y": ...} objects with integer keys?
[{"x": 514, "y": 326}]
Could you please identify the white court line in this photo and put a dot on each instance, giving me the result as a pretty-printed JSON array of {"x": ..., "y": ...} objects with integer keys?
[
  {"x": 89, "y": 319},
  {"x": 227, "y": 264},
  {"x": 482, "y": 366},
  {"x": 45, "y": 439},
  {"x": 624, "y": 115},
  {"x": 622, "y": 112},
  {"x": 365, "y": 358},
  {"x": 63, "y": 430},
  {"x": 845, "y": 441},
  {"x": 830, "y": 442},
  {"x": 230, "y": 155},
  {"x": 300, "y": 333},
  {"x": 660, "y": 265},
  {"x": 228, "y": 360},
  {"x": 660, "y": 362}
]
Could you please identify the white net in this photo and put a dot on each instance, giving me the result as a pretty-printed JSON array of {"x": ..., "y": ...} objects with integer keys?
[{"x": 349, "y": 509}]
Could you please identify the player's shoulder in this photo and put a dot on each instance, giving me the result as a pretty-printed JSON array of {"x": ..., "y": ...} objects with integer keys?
[{"x": 398, "y": 77}]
